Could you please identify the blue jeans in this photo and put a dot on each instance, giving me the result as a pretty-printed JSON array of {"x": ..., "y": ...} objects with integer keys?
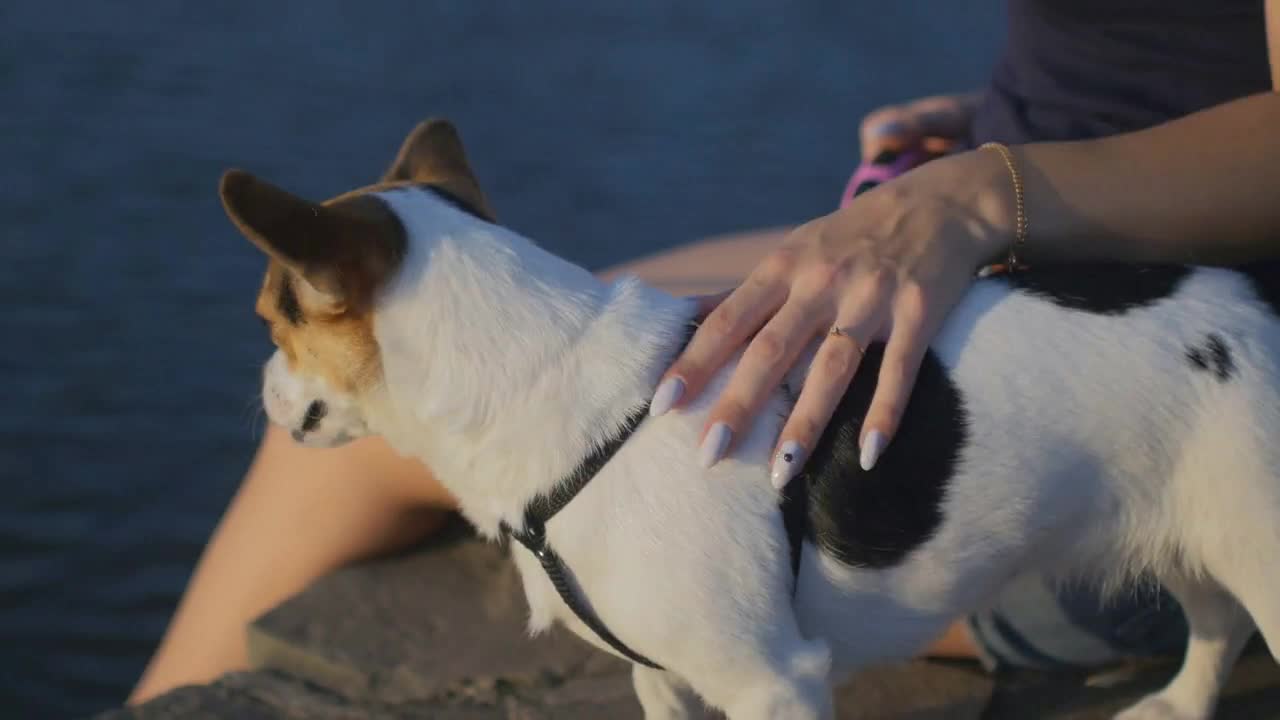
[{"x": 1038, "y": 623}]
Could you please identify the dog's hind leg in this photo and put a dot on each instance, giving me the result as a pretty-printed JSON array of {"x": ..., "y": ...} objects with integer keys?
[
  {"x": 1219, "y": 629},
  {"x": 1259, "y": 592},
  {"x": 663, "y": 696},
  {"x": 1242, "y": 549}
]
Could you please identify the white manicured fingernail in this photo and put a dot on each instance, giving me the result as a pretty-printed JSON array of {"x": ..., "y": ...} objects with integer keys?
[
  {"x": 872, "y": 445},
  {"x": 668, "y": 392},
  {"x": 714, "y": 444},
  {"x": 787, "y": 463}
]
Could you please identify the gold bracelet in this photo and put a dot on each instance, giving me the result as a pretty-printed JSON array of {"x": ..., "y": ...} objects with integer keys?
[{"x": 1020, "y": 232}]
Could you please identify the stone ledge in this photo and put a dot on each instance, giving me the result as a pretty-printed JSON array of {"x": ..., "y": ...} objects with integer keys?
[
  {"x": 270, "y": 695},
  {"x": 448, "y": 620},
  {"x": 439, "y": 633},
  {"x": 448, "y": 623}
]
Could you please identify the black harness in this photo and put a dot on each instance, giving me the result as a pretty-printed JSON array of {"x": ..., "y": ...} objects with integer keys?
[{"x": 541, "y": 509}]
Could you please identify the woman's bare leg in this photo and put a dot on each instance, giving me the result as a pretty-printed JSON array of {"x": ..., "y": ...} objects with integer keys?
[
  {"x": 708, "y": 266},
  {"x": 302, "y": 512}
]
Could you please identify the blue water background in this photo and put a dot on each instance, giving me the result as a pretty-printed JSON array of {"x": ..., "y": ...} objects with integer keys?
[{"x": 603, "y": 129}]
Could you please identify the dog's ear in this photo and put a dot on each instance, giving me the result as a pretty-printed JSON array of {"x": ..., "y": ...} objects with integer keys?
[
  {"x": 433, "y": 154},
  {"x": 342, "y": 251}
]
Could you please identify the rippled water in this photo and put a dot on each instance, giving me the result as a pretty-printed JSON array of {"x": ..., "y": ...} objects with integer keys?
[{"x": 129, "y": 361}]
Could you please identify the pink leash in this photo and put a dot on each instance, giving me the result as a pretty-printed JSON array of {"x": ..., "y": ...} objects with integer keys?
[{"x": 885, "y": 166}]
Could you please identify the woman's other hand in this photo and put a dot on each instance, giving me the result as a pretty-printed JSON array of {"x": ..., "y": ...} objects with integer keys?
[
  {"x": 933, "y": 125},
  {"x": 887, "y": 267}
]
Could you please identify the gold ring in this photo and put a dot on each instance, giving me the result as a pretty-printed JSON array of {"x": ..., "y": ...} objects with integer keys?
[{"x": 841, "y": 332}]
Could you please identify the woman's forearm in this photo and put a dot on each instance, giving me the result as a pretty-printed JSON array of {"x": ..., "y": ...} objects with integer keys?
[{"x": 1204, "y": 189}]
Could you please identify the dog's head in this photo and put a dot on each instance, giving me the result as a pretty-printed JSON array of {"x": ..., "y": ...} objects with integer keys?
[{"x": 326, "y": 264}]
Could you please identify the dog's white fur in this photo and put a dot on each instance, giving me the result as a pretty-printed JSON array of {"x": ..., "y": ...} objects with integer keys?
[{"x": 1091, "y": 446}]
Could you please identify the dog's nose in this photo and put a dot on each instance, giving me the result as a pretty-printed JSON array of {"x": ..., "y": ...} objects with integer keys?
[{"x": 315, "y": 413}]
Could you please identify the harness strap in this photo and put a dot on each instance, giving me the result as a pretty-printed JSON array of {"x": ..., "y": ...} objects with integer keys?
[
  {"x": 534, "y": 537},
  {"x": 541, "y": 509}
]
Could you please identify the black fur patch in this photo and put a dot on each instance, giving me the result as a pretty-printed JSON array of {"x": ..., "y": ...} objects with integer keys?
[
  {"x": 874, "y": 519},
  {"x": 1102, "y": 289},
  {"x": 288, "y": 303},
  {"x": 1213, "y": 355},
  {"x": 1265, "y": 277},
  {"x": 795, "y": 499}
]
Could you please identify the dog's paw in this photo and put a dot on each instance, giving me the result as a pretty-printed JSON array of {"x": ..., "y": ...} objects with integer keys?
[{"x": 1157, "y": 707}]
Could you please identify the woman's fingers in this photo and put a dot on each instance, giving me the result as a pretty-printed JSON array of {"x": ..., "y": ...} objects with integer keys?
[
  {"x": 723, "y": 331},
  {"x": 833, "y": 368},
  {"x": 943, "y": 116},
  {"x": 901, "y": 126},
  {"x": 706, "y": 303},
  {"x": 768, "y": 357},
  {"x": 908, "y": 342},
  {"x": 887, "y": 265},
  {"x": 889, "y": 128}
]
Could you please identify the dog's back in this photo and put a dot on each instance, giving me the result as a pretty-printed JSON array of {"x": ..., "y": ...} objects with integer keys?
[{"x": 1105, "y": 421}]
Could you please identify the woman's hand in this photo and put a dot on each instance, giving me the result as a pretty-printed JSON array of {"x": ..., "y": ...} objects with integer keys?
[
  {"x": 888, "y": 266},
  {"x": 934, "y": 125}
]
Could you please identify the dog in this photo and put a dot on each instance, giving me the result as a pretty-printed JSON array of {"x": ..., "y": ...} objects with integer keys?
[{"x": 1111, "y": 422}]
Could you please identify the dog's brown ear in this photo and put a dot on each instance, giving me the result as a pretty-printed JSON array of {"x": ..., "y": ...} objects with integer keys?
[
  {"x": 433, "y": 154},
  {"x": 341, "y": 250}
]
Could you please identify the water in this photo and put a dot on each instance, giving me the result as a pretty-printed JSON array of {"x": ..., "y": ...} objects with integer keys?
[{"x": 602, "y": 129}]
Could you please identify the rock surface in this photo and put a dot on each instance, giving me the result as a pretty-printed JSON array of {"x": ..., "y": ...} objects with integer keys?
[
  {"x": 439, "y": 633},
  {"x": 446, "y": 626},
  {"x": 268, "y": 695},
  {"x": 1252, "y": 694}
]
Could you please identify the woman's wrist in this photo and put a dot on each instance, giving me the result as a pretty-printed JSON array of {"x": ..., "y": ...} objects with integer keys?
[
  {"x": 980, "y": 181},
  {"x": 1199, "y": 189}
]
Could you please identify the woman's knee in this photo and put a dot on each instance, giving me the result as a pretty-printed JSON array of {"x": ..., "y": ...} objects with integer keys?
[
  {"x": 706, "y": 266},
  {"x": 1039, "y": 622}
]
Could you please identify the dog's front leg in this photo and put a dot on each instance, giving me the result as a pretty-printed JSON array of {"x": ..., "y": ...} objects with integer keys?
[
  {"x": 665, "y": 696},
  {"x": 746, "y": 681}
]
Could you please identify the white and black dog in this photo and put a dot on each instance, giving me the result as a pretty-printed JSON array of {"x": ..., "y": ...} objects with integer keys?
[{"x": 1108, "y": 421}]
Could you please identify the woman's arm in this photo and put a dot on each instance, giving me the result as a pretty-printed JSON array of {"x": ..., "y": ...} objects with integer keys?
[
  {"x": 1201, "y": 189},
  {"x": 1273, "y": 40},
  {"x": 1204, "y": 188},
  {"x": 892, "y": 263}
]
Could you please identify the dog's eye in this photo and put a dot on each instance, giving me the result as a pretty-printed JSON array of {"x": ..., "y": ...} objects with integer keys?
[{"x": 265, "y": 322}]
